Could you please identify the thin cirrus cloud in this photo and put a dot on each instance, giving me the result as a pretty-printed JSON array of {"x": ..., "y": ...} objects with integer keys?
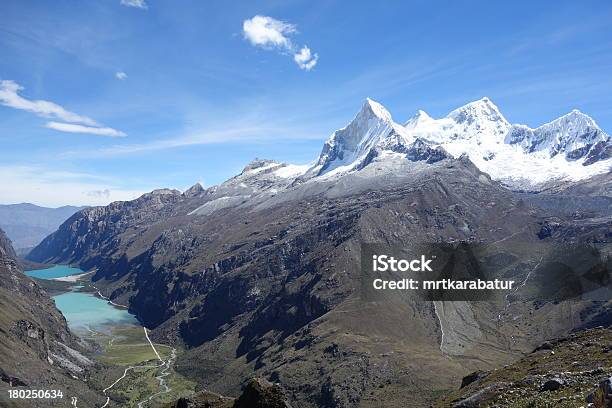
[
  {"x": 40, "y": 185},
  {"x": 141, "y": 4},
  {"x": 71, "y": 122},
  {"x": 271, "y": 34},
  {"x": 121, "y": 75},
  {"x": 76, "y": 128}
]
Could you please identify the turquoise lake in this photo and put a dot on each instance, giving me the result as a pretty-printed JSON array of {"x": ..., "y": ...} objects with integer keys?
[
  {"x": 82, "y": 310},
  {"x": 58, "y": 271}
]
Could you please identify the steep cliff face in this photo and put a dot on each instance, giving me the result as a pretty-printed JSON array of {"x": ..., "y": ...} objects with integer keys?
[
  {"x": 89, "y": 236},
  {"x": 37, "y": 351},
  {"x": 6, "y": 248}
]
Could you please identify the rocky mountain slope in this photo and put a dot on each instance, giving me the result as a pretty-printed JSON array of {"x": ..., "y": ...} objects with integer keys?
[
  {"x": 28, "y": 224},
  {"x": 568, "y": 372},
  {"x": 261, "y": 274},
  {"x": 37, "y": 351}
]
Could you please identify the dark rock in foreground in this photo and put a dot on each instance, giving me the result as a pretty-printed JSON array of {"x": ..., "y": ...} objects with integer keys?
[
  {"x": 577, "y": 373},
  {"x": 257, "y": 393},
  {"x": 601, "y": 397}
]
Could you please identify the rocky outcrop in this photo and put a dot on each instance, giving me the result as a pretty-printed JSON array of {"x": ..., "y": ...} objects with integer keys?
[
  {"x": 475, "y": 376},
  {"x": 601, "y": 397},
  {"x": 257, "y": 393},
  {"x": 570, "y": 371}
]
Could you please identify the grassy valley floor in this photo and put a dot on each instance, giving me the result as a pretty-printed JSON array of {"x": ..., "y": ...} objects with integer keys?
[{"x": 132, "y": 374}]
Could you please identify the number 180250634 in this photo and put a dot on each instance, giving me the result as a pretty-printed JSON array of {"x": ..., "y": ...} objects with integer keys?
[{"x": 35, "y": 394}]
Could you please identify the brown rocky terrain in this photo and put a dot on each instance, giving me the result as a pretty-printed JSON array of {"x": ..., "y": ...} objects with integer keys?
[
  {"x": 37, "y": 351},
  {"x": 571, "y": 371}
]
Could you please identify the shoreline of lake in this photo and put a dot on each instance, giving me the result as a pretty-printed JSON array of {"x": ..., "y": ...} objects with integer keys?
[{"x": 79, "y": 302}]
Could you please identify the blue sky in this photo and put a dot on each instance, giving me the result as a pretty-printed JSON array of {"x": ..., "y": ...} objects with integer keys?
[{"x": 159, "y": 93}]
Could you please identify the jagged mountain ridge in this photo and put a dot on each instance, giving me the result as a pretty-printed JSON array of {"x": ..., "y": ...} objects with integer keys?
[
  {"x": 567, "y": 134},
  {"x": 568, "y": 149},
  {"x": 571, "y": 147}
]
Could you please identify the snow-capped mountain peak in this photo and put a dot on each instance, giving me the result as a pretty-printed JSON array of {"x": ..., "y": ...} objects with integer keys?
[
  {"x": 351, "y": 144},
  {"x": 574, "y": 121},
  {"x": 515, "y": 154},
  {"x": 480, "y": 112},
  {"x": 477, "y": 123},
  {"x": 371, "y": 107},
  {"x": 419, "y": 119},
  {"x": 571, "y": 147},
  {"x": 575, "y": 135}
]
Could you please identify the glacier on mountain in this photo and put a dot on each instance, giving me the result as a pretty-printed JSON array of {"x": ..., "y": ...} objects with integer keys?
[
  {"x": 348, "y": 147},
  {"x": 571, "y": 147}
]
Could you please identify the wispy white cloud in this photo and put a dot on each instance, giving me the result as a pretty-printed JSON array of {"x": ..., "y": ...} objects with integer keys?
[
  {"x": 305, "y": 59},
  {"x": 74, "y": 128},
  {"x": 141, "y": 4},
  {"x": 100, "y": 193},
  {"x": 10, "y": 96},
  {"x": 244, "y": 134},
  {"x": 121, "y": 75},
  {"x": 269, "y": 33},
  {"x": 40, "y": 185}
]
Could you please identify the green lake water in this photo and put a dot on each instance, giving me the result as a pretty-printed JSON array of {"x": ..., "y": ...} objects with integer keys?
[
  {"x": 82, "y": 310},
  {"x": 58, "y": 271}
]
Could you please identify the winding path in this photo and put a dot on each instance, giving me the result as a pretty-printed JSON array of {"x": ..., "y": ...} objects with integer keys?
[
  {"x": 161, "y": 378},
  {"x": 165, "y": 366}
]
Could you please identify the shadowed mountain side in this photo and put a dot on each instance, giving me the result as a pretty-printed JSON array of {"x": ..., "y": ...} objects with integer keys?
[{"x": 36, "y": 349}]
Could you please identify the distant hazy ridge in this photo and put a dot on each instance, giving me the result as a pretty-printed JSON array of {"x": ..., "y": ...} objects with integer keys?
[{"x": 27, "y": 224}]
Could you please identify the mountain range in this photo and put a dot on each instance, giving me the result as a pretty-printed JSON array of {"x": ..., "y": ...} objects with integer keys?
[
  {"x": 260, "y": 275},
  {"x": 571, "y": 147},
  {"x": 27, "y": 224}
]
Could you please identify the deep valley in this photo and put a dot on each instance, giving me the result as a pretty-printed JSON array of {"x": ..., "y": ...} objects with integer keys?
[{"x": 260, "y": 276}]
